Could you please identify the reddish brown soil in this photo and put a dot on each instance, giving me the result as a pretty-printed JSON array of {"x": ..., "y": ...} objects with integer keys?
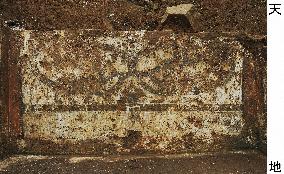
[{"x": 209, "y": 16}]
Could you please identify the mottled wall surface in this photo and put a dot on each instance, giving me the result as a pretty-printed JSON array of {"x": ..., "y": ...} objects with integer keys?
[
  {"x": 88, "y": 91},
  {"x": 131, "y": 90}
]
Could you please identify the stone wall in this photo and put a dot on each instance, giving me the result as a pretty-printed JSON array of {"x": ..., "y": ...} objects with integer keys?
[
  {"x": 89, "y": 91},
  {"x": 131, "y": 86}
]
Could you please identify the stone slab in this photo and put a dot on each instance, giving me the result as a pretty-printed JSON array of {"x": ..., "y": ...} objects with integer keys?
[{"x": 90, "y": 91}]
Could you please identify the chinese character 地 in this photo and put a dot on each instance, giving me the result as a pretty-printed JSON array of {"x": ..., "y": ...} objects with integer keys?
[
  {"x": 274, "y": 8},
  {"x": 275, "y": 166}
]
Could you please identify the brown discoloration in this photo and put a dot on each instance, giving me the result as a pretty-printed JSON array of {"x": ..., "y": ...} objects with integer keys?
[
  {"x": 177, "y": 23},
  {"x": 132, "y": 138},
  {"x": 262, "y": 115},
  {"x": 172, "y": 67},
  {"x": 186, "y": 95},
  {"x": 184, "y": 85},
  {"x": 160, "y": 131},
  {"x": 207, "y": 15},
  {"x": 113, "y": 77},
  {"x": 14, "y": 83},
  {"x": 254, "y": 89},
  {"x": 221, "y": 163},
  {"x": 11, "y": 91},
  {"x": 2, "y": 92},
  {"x": 47, "y": 147}
]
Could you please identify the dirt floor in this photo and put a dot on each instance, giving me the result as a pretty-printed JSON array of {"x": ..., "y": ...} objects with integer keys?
[{"x": 221, "y": 163}]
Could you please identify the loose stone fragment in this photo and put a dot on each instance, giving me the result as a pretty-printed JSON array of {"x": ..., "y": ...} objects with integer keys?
[{"x": 178, "y": 15}]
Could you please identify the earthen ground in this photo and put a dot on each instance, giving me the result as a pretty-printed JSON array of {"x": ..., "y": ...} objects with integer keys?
[{"x": 221, "y": 163}]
